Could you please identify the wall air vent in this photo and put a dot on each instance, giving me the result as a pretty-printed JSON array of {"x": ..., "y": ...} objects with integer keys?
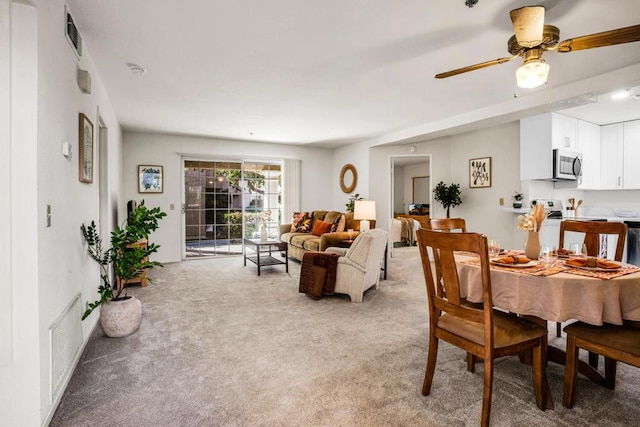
[{"x": 73, "y": 35}]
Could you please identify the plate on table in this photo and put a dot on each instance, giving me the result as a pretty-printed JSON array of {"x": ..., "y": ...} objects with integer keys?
[
  {"x": 564, "y": 254},
  {"x": 585, "y": 268},
  {"x": 522, "y": 265}
]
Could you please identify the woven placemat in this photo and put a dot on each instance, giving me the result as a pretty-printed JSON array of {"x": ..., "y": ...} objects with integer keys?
[
  {"x": 604, "y": 275},
  {"x": 532, "y": 271}
]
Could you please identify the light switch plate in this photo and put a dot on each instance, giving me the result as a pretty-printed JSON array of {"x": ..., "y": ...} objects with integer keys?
[{"x": 66, "y": 149}]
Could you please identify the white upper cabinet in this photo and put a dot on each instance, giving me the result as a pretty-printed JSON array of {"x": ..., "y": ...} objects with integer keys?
[
  {"x": 589, "y": 146},
  {"x": 536, "y": 161},
  {"x": 539, "y": 136},
  {"x": 611, "y": 156},
  {"x": 564, "y": 132},
  {"x": 631, "y": 150}
]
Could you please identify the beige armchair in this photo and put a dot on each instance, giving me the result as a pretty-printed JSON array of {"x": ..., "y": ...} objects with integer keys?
[{"x": 359, "y": 265}]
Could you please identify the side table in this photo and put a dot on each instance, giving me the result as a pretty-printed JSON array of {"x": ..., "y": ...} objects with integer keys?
[{"x": 263, "y": 252}]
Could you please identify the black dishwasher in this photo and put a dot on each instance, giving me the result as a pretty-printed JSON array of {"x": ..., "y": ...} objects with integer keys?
[{"x": 633, "y": 242}]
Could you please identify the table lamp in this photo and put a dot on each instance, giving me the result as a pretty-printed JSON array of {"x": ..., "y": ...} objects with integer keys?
[{"x": 364, "y": 210}]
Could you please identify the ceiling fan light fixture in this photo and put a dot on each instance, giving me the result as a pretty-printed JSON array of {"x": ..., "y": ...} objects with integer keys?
[{"x": 532, "y": 74}]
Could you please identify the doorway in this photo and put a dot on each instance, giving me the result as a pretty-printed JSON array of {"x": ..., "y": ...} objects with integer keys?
[
  {"x": 224, "y": 201},
  {"x": 411, "y": 186}
]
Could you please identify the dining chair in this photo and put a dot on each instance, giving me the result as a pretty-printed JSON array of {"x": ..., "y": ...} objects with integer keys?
[
  {"x": 486, "y": 333},
  {"x": 614, "y": 342},
  {"x": 447, "y": 224},
  {"x": 593, "y": 230}
]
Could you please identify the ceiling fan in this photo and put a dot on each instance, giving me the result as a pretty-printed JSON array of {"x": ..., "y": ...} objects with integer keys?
[{"x": 532, "y": 38}]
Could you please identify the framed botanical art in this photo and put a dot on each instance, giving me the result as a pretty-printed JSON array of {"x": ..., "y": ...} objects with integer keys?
[
  {"x": 480, "y": 172},
  {"x": 85, "y": 142},
  {"x": 150, "y": 179}
]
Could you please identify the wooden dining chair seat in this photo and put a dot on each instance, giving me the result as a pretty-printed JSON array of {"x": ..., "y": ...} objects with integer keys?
[
  {"x": 483, "y": 332},
  {"x": 617, "y": 343}
]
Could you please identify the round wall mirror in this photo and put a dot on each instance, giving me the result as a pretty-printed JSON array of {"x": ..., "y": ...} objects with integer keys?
[{"x": 348, "y": 178}]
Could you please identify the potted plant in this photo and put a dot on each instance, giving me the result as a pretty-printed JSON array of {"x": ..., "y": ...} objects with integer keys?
[
  {"x": 447, "y": 195},
  {"x": 518, "y": 200},
  {"x": 128, "y": 258},
  {"x": 350, "y": 205}
]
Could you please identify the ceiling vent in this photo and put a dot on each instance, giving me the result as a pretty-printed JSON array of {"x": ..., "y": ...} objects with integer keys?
[{"x": 73, "y": 35}]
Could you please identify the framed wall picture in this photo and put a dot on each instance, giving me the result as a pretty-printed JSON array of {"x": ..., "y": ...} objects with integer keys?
[
  {"x": 85, "y": 142},
  {"x": 480, "y": 172},
  {"x": 150, "y": 179}
]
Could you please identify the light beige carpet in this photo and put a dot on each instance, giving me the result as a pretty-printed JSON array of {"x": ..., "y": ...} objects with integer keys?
[{"x": 220, "y": 346}]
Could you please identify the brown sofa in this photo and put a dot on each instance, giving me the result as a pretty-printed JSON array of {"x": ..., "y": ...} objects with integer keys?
[{"x": 301, "y": 243}]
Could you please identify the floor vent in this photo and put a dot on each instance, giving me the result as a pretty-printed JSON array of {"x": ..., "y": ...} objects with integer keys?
[
  {"x": 66, "y": 339},
  {"x": 73, "y": 35}
]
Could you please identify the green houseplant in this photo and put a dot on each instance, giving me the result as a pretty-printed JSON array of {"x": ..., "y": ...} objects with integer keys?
[
  {"x": 447, "y": 195},
  {"x": 350, "y": 205},
  {"x": 518, "y": 200},
  {"x": 126, "y": 257}
]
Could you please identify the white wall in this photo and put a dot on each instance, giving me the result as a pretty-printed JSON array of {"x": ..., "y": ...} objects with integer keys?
[
  {"x": 20, "y": 385},
  {"x": 357, "y": 155},
  {"x": 168, "y": 150},
  {"x": 480, "y": 207},
  {"x": 410, "y": 172},
  {"x": 49, "y": 265},
  {"x": 399, "y": 185}
]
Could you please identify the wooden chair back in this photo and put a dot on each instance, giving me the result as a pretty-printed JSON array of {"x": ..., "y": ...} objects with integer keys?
[
  {"x": 447, "y": 224},
  {"x": 481, "y": 332},
  {"x": 443, "y": 246},
  {"x": 593, "y": 230}
]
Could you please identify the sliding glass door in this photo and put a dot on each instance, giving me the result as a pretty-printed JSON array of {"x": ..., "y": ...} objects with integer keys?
[{"x": 224, "y": 201}]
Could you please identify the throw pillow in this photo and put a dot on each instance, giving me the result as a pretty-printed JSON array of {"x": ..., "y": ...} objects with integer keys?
[
  {"x": 321, "y": 227},
  {"x": 339, "y": 225},
  {"x": 301, "y": 222}
]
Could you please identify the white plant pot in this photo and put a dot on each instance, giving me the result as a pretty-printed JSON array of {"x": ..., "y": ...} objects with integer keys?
[{"x": 120, "y": 318}]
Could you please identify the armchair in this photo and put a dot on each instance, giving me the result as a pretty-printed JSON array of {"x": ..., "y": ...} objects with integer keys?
[{"x": 359, "y": 265}]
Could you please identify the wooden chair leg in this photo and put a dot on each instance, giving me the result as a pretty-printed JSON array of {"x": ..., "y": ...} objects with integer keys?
[
  {"x": 570, "y": 371},
  {"x": 593, "y": 360},
  {"x": 610, "y": 368},
  {"x": 558, "y": 329},
  {"x": 486, "y": 394},
  {"x": 471, "y": 363},
  {"x": 539, "y": 382},
  {"x": 431, "y": 364}
]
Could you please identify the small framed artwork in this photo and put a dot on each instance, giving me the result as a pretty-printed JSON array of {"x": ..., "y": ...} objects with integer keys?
[
  {"x": 150, "y": 179},
  {"x": 85, "y": 142},
  {"x": 480, "y": 172}
]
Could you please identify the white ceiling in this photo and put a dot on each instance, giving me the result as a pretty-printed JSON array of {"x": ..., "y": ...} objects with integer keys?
[{"x": 338, "y": 71}]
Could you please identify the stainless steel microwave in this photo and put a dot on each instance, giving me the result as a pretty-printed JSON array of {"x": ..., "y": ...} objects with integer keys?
[{"x": 567, "y": 165}]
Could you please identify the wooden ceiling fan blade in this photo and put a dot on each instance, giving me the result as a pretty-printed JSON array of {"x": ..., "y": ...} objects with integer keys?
[
  {"x": 605, "y": 38},
  {"x": 474, "y": 67},
  {"x": 528, "y": 24}
]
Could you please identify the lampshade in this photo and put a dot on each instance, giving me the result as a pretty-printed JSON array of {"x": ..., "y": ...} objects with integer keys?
[
  {"x": 364, "y": 209},
  {"x": 532, "y": 74}
]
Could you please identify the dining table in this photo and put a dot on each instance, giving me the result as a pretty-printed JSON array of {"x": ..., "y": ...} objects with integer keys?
[{"x": 557, "y": 293}]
